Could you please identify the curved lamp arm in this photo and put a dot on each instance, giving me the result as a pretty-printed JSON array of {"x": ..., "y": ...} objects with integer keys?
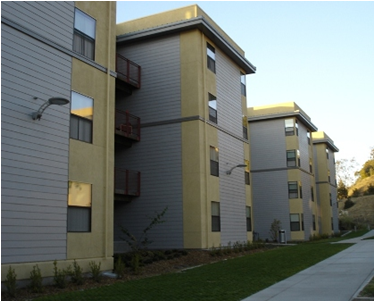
[
  {"x": 52, "y": 101},
  {"x": 238, "y": 166}
]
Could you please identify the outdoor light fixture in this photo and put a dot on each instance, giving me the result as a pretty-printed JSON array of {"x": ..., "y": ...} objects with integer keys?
[
  {"x": 52, "y": 101},
  {"x": 238, "y": 166}
]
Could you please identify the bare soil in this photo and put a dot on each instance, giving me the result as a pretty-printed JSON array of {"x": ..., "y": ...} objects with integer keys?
[{"x": 192, "y": 259}]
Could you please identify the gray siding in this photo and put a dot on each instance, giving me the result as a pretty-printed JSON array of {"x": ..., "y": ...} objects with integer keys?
[
  {"x": 231, "y": 151},
  {"x": 52, "y": 20},
  {"x": 267, "y": 145},
  {"x": 158, "y": 154},
  {"x": 270, "y": 201},
  {"x": 159, "y": 98},
  {"x": 34, "y": 153}
]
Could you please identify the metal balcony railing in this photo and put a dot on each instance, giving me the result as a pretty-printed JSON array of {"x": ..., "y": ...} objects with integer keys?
[
  {"x": 127, "y": 182},
  {"x": 127, "y": 125},
  {"x": 128, "y": 71}
]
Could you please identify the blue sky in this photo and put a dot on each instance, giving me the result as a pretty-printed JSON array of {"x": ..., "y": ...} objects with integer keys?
[{"x": 319, "y": 55}]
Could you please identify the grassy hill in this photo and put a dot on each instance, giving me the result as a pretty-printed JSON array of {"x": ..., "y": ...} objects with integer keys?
[{"x": 362, "y": 212}]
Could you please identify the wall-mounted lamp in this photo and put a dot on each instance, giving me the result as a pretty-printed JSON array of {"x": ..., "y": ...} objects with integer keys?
[
  {"x": 52, "y": 101},
  {"x": 238, "y": 166}
]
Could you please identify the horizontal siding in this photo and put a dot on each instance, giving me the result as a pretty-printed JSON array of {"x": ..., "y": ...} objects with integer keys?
[
  {"x": 159, "y": 160},
  {"x": 34, "y": 156},
  {"x": 229, "y": 102},
  {"x": 159, "y": 98},
  {"x": 270, "y": 201},
  {"x": 267, "y": 145},
  {"x": 232, "y": 190},
  {"x": 53, "y": 20}
]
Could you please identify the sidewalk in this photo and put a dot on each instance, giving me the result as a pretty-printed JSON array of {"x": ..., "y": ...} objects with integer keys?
[{"x": 338, "y": 278}]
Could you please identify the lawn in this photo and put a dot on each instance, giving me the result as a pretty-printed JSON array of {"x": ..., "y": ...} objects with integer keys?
[{"x": 233, "y": 279}]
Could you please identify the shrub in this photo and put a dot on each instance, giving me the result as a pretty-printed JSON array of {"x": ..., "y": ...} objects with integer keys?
[
  {"x": 76, "y": 274},
  {"x": 36, "y": 279},
  {"x": 348, "y": 203},
  {"x": 10, "y": 282},
  {"x": 95, "y": 271},
  {"x": 274, "y": 230},
  {"x": 355, "y": 193},
  {"x": 119, "y": 268},
  {"x": 370, "y": 190},
  {"x": 59, "y": 277},
  {"x": 346, "y": 223}
]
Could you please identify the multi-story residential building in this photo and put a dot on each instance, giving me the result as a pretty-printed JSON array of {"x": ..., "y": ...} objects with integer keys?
[
  {"x": 192, "y": 106},
  {"x": 282, "y": 169},
  {"x": 326, "y": 186},
  {"x": 57, "y": 164}
]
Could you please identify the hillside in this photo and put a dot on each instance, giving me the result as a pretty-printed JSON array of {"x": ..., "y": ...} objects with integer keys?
[
  {"x": 361, "y": 185},
  {"x": 361, "y": 212}
]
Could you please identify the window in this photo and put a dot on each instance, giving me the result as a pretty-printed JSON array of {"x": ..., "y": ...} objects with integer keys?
[
  {"x": 308, "y": 137},
  {"x": 330, "y": 199},
  {"x": 302, "y": 223},
  {"x": 247, "y": 172},
  {"x": 214, "y": 161},
  {"x": 327, "y": 153},
  {"x": 310, "y": 165},
  {"x": 289, "y": 127},
  {"x": 243, "y": 84},
  {"x": 79, "y": 207},
  {"x": 84, "y": 34},
  {"x": 244, "y": 127},
  {"x": 296, "y": 125},
  {"x": 211, "y": 58},
  {"x": 215, "y": 216},
  {"x": 313, "y": 221},
  {"x": 212, "y": 107},
  {"x": 312, "y": 193},
  {"x": 332, "y": 223},
  {"x": 81, "y": 114},
  {"x": 291, "y": 158},
  {"x": 294, "y": 222},
  {"x": 300, "y": 189},
  {"x": 293, "y": 189},
  {"x": 329, "y": 176},
  {"x": 248, "y": 219}
]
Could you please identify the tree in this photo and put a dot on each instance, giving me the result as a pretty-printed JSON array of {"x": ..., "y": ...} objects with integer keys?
[
  {"x": 342, "y": 190},
  {"x": 345, "y": 171},
  {"x": 367, "y": 169}
]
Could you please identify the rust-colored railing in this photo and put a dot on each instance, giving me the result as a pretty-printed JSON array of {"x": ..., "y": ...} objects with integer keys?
[
  {"x": 127, "y": 125},
  {"x": 127, "y": 182},
  {"x": 128, "y": 71}
]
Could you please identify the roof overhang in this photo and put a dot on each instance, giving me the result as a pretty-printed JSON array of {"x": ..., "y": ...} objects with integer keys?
[
  {"x": 326, "y": 141},
  {"x": 195, "y": 23},
  {"x": 296, "y": 114}
]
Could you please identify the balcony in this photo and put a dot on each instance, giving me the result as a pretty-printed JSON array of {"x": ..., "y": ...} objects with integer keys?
[
  {"x": 128, "y": 74},
  {"x": 127, "y": 184},
  {"x": 127, "y": 126}
]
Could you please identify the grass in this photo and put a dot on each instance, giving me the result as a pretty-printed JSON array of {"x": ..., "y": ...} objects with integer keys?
[
  {"x": 368, "y": 291},
  {"x": 233, "y": 279}
]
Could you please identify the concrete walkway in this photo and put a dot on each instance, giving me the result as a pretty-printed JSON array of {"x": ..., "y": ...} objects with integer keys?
[{"x": 338, "y": 278}]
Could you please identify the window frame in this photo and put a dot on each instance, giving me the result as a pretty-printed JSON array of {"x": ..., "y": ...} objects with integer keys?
[
  {"x": 212, "y": 118},
  {"x": 211, "y": 58},
  {"x": 83, "y": 36},
  {"x": 291, "y": 159},
  {"x": 74, "y": 209},
  {"x": 295, "y": 223},
  {"x": 247, "y": 172},
  {"x": 293, "y": 190},
  {"x": 77, "y": 121},
  {"x": 215, "y": 217},
  {"x": 214, "y": 161},
  {"x": 248, "y": 219},
  {"x": 313, "y": 222}
]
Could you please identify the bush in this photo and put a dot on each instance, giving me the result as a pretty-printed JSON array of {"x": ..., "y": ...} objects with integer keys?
[
  {"x": 274, "y": 230},
  {"x": 346, "y": 223},
  {"x": 95, "y": 271},
  {"x": 36, "y": 279},
  {"x": 348, "y": 203},
  {"x": 119, "y": 268},
  {"x": 355, "y": 193},
  {"x": 370, "y": 190},
  {"x": 10, "y": 282},
  {"x": 59, "y": 277},
  {"x": 76, "y": 274}
]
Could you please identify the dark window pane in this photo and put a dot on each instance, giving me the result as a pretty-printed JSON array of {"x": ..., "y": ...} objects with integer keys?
[
  {"x": 79, "y": 219},
  {"x": 214, "y": 168}
]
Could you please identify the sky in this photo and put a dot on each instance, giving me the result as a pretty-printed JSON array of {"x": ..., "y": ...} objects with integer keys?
[{"x": 319, "y": 55}]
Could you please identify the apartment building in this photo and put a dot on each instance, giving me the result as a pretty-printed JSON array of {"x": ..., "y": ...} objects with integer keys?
[
  {"x": 57, "y": 161},
  {"x": 283, "y": 171},
  {"x": 193, "y": 132},
  {"x": 326, "y": 185}
]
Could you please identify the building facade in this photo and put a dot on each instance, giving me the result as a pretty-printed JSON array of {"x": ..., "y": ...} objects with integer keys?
[
  {"x": 283, "y": 171},
  {"x": 57, "y": 169},
  {"x": 326, "y": 185},
  {"x": 191, "y": 104}
]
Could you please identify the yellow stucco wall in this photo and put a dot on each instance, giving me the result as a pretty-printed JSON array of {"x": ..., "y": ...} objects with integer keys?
[{"x": 276, "y": 109}]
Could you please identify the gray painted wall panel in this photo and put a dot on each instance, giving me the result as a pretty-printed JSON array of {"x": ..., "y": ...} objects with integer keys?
[
  {"x": 159, "y": 97},
  {"x": 34, "y": 153},
  {"x": 52, "y": 21},
  {"x": 267, "y": 145}
]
